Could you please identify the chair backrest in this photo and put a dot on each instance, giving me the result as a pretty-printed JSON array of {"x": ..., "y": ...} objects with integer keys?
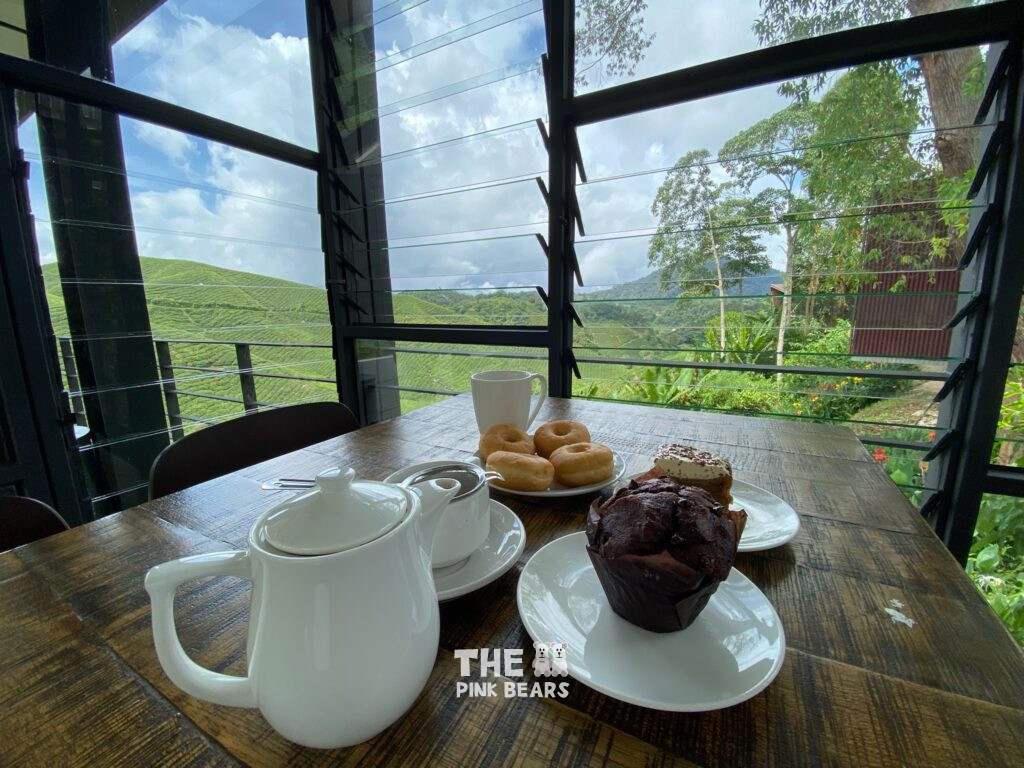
[
  {"x": 231, "y": 445},
  {"x": 23, "y": 520}
]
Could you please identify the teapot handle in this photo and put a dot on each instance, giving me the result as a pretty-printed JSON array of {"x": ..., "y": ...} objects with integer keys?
[{"x": 161, "y": 583}]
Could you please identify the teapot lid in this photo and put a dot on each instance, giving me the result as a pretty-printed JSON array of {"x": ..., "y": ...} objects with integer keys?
[{"x": 338, "y": 514}]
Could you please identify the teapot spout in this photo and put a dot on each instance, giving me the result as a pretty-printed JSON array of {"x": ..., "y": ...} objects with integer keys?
[{"x": 434, "y": 497}]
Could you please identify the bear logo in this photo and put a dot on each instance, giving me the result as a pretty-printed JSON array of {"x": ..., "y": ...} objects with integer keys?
[
  {"x": 541, "y": 660},
  {"x": 559, "y": 664}
]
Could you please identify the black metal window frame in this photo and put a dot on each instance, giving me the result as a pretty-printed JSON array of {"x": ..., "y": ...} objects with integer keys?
[{"x": 965, "y": 472}]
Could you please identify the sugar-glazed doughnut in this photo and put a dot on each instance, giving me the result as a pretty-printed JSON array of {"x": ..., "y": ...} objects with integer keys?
[
  {"x": 522, "y": 472},
  {"x": 551, "y": 436},
  {"x": 582, "y": 464},
  {"x": 505, "y": 437}
]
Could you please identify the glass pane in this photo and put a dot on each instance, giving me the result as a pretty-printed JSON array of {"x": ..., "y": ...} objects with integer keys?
[
  {"x": 618, "y": 41},
  {"x": 185, "y": 284},
  {"x": 818, "y": 240},
  {"x": 245, "y": 61},
  {"x": 450, "y": 164},
  {"x": 1009, "y": 444},
  {"x": 410, "y": 375}
]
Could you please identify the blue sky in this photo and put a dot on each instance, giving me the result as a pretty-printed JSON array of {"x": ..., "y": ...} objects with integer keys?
[{"x": 247, "y": 62}]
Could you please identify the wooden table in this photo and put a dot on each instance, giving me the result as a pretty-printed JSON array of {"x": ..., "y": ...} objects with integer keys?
[{"x": 80, "y": 683}]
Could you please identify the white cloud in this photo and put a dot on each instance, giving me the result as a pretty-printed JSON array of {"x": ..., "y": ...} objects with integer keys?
[
  {"x": 263, "y": 83},
  {"x": 228, "y": 72},
  {"x": 44, "y": 242},
  {"x": 175, "y": 145},
  {"x": 265, "y": 220}
]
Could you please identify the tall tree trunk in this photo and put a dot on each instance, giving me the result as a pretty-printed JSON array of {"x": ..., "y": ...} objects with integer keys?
[
  {"x": 721, "y": 287},
  {"x": 787, "y": 302},
  {"x": 743, "y": 303},
  {"x": 721, "y": 308},
  {"x": 813, "y": 283},
  {"x": 944, "y": 74}
]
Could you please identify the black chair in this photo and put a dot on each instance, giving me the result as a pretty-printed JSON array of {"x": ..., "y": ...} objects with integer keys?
[
  {"x": 23, "y": 520},
  {"x": 231, "y": 445}
]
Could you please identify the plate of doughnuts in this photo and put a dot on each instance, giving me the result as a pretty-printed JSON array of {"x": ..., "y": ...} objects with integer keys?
[{"x": 558, "y": 460}]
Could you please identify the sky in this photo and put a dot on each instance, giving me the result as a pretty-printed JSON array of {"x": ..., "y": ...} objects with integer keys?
[{"x": 247, "y": 62}]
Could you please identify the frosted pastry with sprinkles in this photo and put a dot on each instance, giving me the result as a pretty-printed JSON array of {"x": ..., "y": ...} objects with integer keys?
[{"x": 702, "y": 469}]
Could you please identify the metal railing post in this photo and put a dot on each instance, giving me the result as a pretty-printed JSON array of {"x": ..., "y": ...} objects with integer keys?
[
  {"x": 163, "y": 357},
  {"x": 245, "y": 377}
]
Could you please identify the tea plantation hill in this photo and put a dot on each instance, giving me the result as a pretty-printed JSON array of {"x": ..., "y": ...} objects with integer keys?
[{"x": 190, "y": 300}]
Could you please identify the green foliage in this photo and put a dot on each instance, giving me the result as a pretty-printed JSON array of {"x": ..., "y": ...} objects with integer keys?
[
  {"x": 996, "y": 562},
  {"x": 955, "y": 213},
  {"x": 610, "y": 38},
  {"x": 736, "y": 391},
  {"x": 784, "y": 20},
  {"x": 704, "y": 228},
  {"x": 749, "y": 338},
  {"x": 833, "y": 397},
  {"x": 868, "y": 100},
  {"x": 1010, "y": 451},
  {"x": 771, "y": 147},
  {"x": 660, "y": 384}
]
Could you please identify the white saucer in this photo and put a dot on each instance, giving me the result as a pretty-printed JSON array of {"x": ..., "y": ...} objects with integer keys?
[
  {"x": 771, "y": 522},
  {"x": 558, "y": 491},
  {"x": 731, "y": 652},
  {"x": 498, "y": 553}
]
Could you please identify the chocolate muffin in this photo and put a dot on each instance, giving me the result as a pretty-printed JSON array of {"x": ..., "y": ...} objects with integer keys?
[{"x": 660, "y": 550}]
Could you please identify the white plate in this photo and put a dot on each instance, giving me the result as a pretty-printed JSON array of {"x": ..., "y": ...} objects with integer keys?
[
  {"x": 557, "y": 490},
  {"x": 771, "y": 522},
  {"x": 731, "y": 652},
  {"x": 498, "y": 553}
]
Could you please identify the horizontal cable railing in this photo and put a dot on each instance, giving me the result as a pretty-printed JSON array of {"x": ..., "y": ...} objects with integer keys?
[{"x": 171, "y": 384}]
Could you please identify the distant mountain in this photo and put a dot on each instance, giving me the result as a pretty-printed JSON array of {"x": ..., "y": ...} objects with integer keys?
[{"x": 651, "y": 286}]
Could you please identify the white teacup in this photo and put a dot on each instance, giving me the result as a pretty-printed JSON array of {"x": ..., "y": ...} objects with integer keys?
[
  {"x": 466, "y": 521},
  {"x": 503, "y": 397}
]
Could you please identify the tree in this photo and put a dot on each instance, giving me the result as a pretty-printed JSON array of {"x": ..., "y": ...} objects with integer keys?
[
  {"x": 847, "y": 181},
  {"x": 869, "y": 100},
  {"x": 947, "y": 75},
  {"x": 769, "y": 151},
  {"x": 610, "y": 37},
  {"x": 706, "y": 233}
]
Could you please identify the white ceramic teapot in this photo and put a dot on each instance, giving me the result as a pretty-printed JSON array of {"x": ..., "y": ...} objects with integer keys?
[{"x": 344, "y": 625}]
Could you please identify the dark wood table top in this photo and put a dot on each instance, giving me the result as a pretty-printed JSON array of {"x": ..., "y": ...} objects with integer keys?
[{"x": 80, "y": 683}]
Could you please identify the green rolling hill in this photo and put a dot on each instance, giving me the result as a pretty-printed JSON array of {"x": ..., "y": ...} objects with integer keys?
[{"x": 191, "y": 302}]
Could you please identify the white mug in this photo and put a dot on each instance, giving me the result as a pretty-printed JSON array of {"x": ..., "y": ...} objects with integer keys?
[{"x": 503, "y": 397}]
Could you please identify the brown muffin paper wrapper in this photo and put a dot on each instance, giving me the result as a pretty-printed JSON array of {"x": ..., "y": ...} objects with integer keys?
[
  {"x": 654, "y": 591},
  {"x": 648, "y": 595}
]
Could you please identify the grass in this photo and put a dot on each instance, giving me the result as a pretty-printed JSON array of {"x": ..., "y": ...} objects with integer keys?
[{"x": 188, "y": 300}]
